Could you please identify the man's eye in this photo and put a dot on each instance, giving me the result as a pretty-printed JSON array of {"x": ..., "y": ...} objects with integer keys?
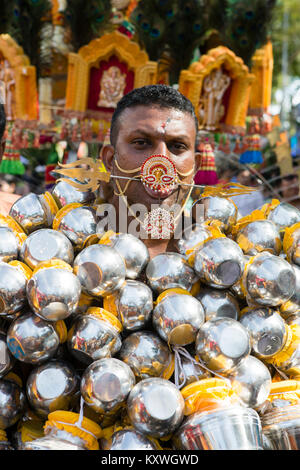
[
  {"x": 140, "y": 142},
  {"x": 178, "y": 145}
]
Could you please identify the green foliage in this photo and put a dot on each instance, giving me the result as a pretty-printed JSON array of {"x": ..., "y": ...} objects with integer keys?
[
  {"x": 292, "y": 37},
  {"x": 87, "y": 20}
]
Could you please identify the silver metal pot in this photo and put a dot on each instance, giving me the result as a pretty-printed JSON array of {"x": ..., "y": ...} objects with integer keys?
[
  {"x": 12, "y": 289},
  {"x": 231, "y": 428},
  {"x": 169, "y": 270},
  {"x": 146, "y": 354},
  {"x": 267, "y": 331},
  {"x": 12, "y": 403},
  {"x": 32, "y": 340},
  {"x": 100, "y": 269},
  {"x": 218, "y": 303},
  {"x": 269, "y": 280},
  {"x": 78, "y": 224},
  {"x": 90, "y": 338},
  {"x": 9, "y": 245},
  {"x": 65, "y": 193},
  {"x": 134, "y": 303},
  {"x": 106, "y": 384},
  {"x": 177, "y": 318},
  {"x": 155, "y": 407},
  {"x": 219, "y": 263},
  {"x": 45, "y": 244},
  {"x": 252, "y": 381},
  {"x": 53, "y": 293},
  {"x": 133, "y": 251},
  {"x": 258, "y": 236},
  {"x": 219, "y": 208},
  {"x": 222, "y": 344},
  {"x": 52, "y": 386}
]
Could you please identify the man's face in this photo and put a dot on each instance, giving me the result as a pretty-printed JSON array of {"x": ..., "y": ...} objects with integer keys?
[{"x": 144, "y": 131}]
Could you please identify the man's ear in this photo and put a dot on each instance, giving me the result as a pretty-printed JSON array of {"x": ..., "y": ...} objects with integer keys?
[
  {"x": 107, "y": 155},
  {"x": 2, "y": 148}
]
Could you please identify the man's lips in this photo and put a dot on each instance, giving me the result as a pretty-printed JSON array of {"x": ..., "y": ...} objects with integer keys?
[{"x": 159, "y": 193}]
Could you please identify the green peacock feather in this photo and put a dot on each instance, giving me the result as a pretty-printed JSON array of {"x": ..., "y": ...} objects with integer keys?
[
  {"x": 28, "y": 27},
  {"x": 86, "y": 20}
]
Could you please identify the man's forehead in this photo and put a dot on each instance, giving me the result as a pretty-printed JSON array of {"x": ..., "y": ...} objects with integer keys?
[{"x": 147, "y": 116}]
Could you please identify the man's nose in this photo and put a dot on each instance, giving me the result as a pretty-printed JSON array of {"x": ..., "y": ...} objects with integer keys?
[{"x": 161, "y": 148}]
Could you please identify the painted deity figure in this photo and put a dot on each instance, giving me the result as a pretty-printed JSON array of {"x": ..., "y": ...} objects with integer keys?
[
  {"x": 112, "y": 87},
  {"x": 211, "y": 110}
]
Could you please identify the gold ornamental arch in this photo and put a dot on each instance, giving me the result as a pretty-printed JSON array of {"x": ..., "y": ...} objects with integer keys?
[
  {"x": 101, "y": 49},
  {"x": 18, "y": 81},
  {"x": 220, "y": 60}
]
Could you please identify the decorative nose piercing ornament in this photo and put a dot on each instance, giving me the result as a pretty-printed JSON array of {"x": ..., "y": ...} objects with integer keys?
[{"x": 159, "y": 174}]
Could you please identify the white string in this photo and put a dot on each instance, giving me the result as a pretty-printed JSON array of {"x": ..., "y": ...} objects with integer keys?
[
  {"x": 79, "y": 421},
  {"x": 180, "y": 351}
]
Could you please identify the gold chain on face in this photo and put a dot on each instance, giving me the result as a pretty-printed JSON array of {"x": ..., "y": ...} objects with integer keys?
[
  {"x": 122, "y": 195},
  {"x": 135, "y": 170}
]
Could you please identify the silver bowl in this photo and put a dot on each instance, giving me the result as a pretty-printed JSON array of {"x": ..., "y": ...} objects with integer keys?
[
  {"x": 32, "y": 212},
  {"x": 198, "y": 233},
  {"x": 231, "y": 428},
  {"x": 219, "y": 263},
  {"x": 219, "y": 208},
  {"x": 12, "y": 403},
  {"x": 100, "y": 269},
  {"x": 169, "y": 270},
  {"x": 9, "y": 245},
  {"x": 12, "y": 289},
  {"x": 258, "y": 236},
  {"x": 218, "y": 303},
  {"x": 65, "y": 193},
  {"x": 45, "y": 244},
  {"x": 32, "y": 340},
  {"x": 177, "y": 318},
  {"x": 51, "y": 443},
  {"x": 106, "y": 384},
  {"x": 269, "y": 280},
  {"x": 7, "y": 360},
  {"x": 133, "y": 251},
  {"x": 155, "y": 407},
  {"x": 284, "y": 215},
  {"x": 267, "y": 331},
  {"x": 293, "y": 304},
  {"x": 252, "y": 382},
  {"x": 281, "y": 427},
  {"x": 134, "y": 304},
  {"x": 146, "y": 354},
  {"x": 51, "y": 386},
  {"x": 222, "y": 344},
  {"x": 91, "y": 338},
  {"x": 130, "y": 439},
  {"x": 53, "y": 293},
  {"x": 78, "y": 224}
]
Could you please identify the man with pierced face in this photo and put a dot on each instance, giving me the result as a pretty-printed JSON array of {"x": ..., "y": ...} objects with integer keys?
[{"x": 152, "y": 120}]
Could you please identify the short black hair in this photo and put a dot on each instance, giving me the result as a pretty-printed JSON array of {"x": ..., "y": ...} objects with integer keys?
[
  {"x": 2, "y": 120},
  {"x": 162, "y": 96}
]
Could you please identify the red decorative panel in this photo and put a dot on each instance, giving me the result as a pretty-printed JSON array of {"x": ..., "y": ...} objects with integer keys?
[{"x": 96, "y": 74}]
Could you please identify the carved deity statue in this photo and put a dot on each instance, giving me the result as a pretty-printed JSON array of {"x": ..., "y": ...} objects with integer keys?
[
  {"x": 8, "y": 87},
  {"x": 112, "y": 87},
  {"x": 211, "y": 109}
]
